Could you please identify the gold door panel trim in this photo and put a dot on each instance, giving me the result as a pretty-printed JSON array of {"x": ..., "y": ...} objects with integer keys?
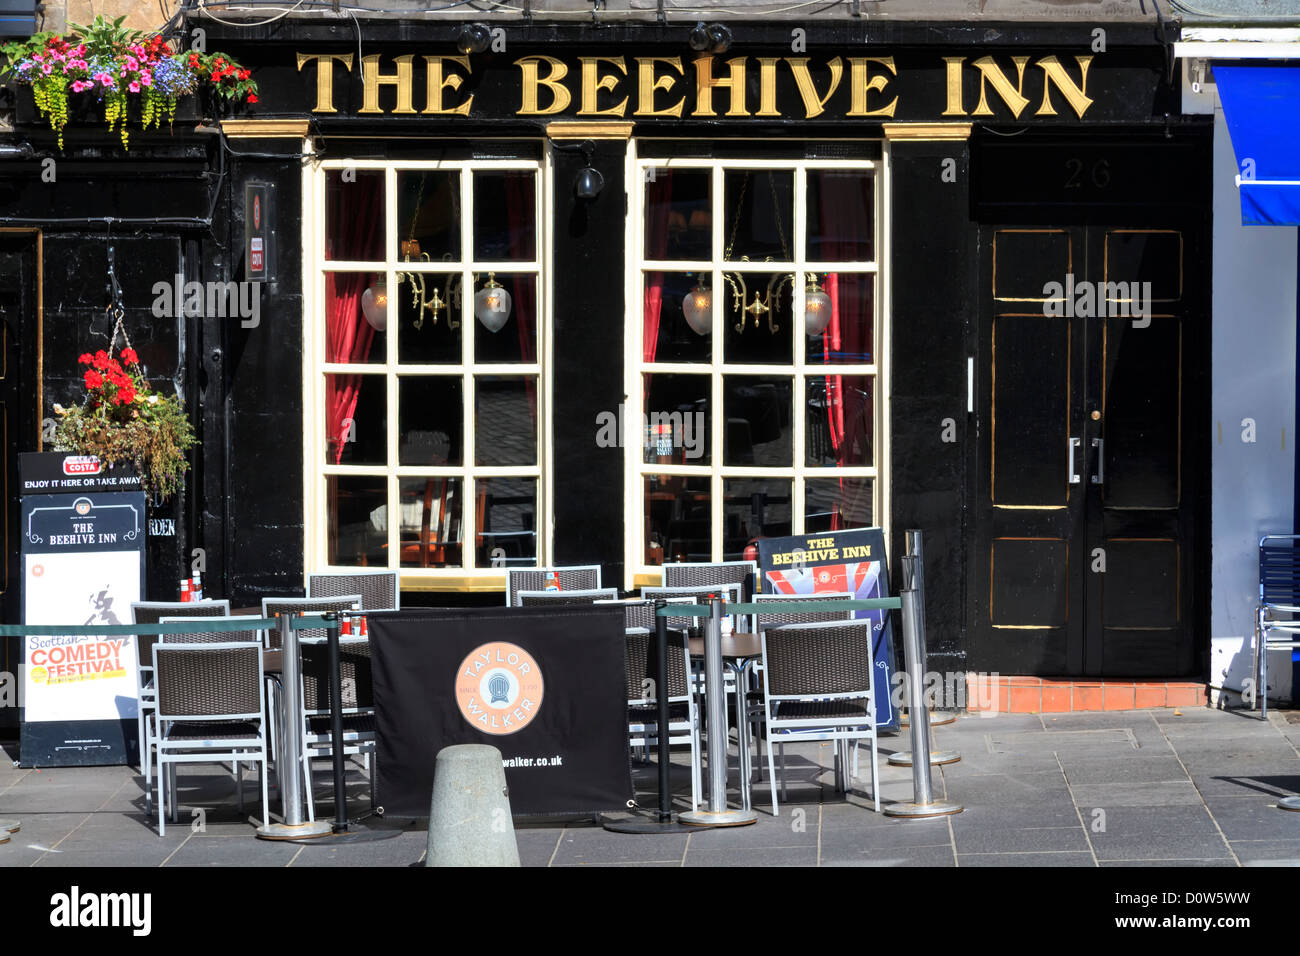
[
  {"x": 1069, "y": 260},
  {"x": 993, "y": 407},
  {"x": 1030, "y": 627},
  {"x": 1105, "y": 259}
]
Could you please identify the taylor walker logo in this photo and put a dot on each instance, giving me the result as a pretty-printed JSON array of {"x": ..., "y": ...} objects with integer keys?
[
  {"x": 76, "y": 909},
  {"x": 499, "y": 688},
  {"x": 1098, "y": 300}
]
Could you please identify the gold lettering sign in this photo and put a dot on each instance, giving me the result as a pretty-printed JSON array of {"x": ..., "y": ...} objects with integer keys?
[{"x": 549, "y": 86}]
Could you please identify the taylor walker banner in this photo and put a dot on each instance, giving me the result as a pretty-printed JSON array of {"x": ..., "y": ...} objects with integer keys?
[{"x": 851, "y": 562}]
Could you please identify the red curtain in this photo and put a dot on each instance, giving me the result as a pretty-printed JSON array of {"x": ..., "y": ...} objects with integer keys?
[
  {"x": 845, "y": 213},
  {"x": 354, "y": 215},
  {"x": 656, "y": 225}
]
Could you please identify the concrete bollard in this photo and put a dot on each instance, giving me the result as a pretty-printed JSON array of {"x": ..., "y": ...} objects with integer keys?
[{"x": 469, "y": 817}]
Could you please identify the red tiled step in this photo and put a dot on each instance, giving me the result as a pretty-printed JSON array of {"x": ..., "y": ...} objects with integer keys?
[{"x": 1046, "y": 695}]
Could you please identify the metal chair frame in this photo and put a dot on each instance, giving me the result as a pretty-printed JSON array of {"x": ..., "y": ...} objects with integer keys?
[
  {"x": 207, "y": 749},
  {"x": 842, "y": 730},
  {"x": 331, "y": 584},
  {"x": 645, "y": 733},
  {"x": 587, "y": 579},
  {"x": 578, "y": 596},
  {"x": 1279, "y": 593}
]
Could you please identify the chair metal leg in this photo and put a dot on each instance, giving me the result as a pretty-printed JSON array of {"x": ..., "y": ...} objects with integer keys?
[
  {"x": 771, "y": 770},
  {"x": 307, "y": 781},
  {"x": 263, "y": 773},
  {"x": 171, "y": 790},
  {"x": 146, "y": 749},
  {"x": 875, "y": 771},
  {"x": 785, "y": 793},
  {"x": 1262, "y": 688},
  {"x": 239, "y": 785},
  {"x": 162, "y": 795}
]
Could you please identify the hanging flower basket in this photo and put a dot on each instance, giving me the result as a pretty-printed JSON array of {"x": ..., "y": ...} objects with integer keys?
[
  {"x": 122, "y": 419},
  {"x": 121, "y": 75}
]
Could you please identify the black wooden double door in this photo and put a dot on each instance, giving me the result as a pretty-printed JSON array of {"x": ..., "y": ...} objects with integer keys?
[{"x": 1087, "y": 400}]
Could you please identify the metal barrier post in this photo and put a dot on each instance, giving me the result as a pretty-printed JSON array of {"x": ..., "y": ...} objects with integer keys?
[
  {"x": 914, "y": 578},
  {"x": 715, "y": 690},
  {"x": 336, "y": 722},
  {"x": 923, "y": 803},
  {"x": 289, "y": 765}
]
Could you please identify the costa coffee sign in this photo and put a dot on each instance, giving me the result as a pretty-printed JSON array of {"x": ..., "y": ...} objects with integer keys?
[
  {"x": 46, "y": 472},
  {"x": 81, "y": 465}
]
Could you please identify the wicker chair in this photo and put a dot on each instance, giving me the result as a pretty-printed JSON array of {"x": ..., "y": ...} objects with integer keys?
[
  {"x": 379, "y": 590},
  {"x": 543, "y": 598},
  {"x": 576, "y": 577},
  {"x": 273, "y": 607},
  {"x": 358, "y": 704},
  {"x": 210, "y": 708},
  {"x": 150, "y": 612},
  {"x": 819, "y": 684},
  {"x": 777, "y": 617},
  {"x": 690, "y": 575},
  {"x": 643, "y": 707}
]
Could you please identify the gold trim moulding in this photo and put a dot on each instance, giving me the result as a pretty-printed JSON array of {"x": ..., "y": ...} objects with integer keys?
[
  {"x": 588, "y": 130},
  {"x": 266, "y": 128},
  {"x": 467, "y": 583},
  {"x": 921, "y": 132},
  {"x": 643, "y": 580}
]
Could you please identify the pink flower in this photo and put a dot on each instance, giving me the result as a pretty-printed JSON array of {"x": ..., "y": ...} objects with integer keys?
[
  {"x": 80, "y": 50},
  {"x": 104, "y": 80},
  {"x": 132, "y": 63},
  {"x": 79, "y": 85},
  {"x": 46, "y": 69},
  {"x": 146, "y": 78},
  {"x": 134, "y": 87}
]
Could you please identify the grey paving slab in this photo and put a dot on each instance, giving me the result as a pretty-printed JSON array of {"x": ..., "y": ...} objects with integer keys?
[
  {"x": 1138, "y": 769},
  {"x": 937, "y": 856},
  {"x": 1010, "y": 790},
  {"x": 975, "y": 762},
  {"x": 901, "y": 835},
  {"x": 978, "y": 816},
  {"x": 1020, "y": 840},
  {"x": 234, "y": 852},
  {"x": 753, "y": 856},
  {"x": 1103, "y": 743},
  {"x": 601, "y": 846},
  {"x": 858, "y": 813},
  {"x": 405, "y": 849},
  {"x": 787, "y": 830},
  {"x": 1252, "y": 819},
  {"x": 1136, "y": 833},
  {"x": 1066, "y": 858},
  {"x": 1173, "y": 863},
  {"x": 1267, "y": 852},
  {"x": 140, "y": 853},
  {"x": 1244, "y": 785},
  {"x": 1166, "y": 793}
]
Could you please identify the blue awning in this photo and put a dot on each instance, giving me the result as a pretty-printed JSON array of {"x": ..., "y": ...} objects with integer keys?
[{"x": 1262, "y": 106}]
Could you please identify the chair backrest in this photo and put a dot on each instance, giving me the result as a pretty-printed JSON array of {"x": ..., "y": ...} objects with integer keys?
[
  {"x": 542, "y": 598},
  {"x": 291, "y": 606},
  {"x": 152, "y": 612},
  {"x": 689, "y": 574},
  {"x": 695, "y": 595},
  {"x": 638, "y": 614},
  {"x": 822, "y": 658},
  {"x": 207, "y": 637},
  {"x": 777, "y": 617},
  {"x": 379, "y": 590},
  {"x": 1279, "y": 569},
  {"x": 574, "y": 577},
  {"x": 207, "y": 682},
  {"x": 355, "y": 676},
  {"x": 643, "y": 665}
]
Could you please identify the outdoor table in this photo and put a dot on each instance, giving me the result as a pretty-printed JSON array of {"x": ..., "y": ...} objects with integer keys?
[{"x": 739, "y": 651}]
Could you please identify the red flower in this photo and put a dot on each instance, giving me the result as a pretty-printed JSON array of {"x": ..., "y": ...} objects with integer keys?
[
  {"x": 252, "y": 97},
  {"x": 93, "y": 379},
  {"x": 129, "y": 357},
  {"x": 243, "y": 74},
  {"x": 85, "y": 359},
  {"x": 101, "y": 359}
]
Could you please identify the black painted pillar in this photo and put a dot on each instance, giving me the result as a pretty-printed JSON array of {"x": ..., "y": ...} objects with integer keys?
[
  {"x": 934, "y": 276},
  {"x": 587, "y": 271}
]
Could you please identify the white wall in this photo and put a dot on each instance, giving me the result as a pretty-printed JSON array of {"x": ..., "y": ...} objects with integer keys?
[{"x": 1254, "y": 377}]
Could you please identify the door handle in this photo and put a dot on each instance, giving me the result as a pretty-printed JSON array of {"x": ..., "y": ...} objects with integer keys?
[
  {"x": 1072, "y": 476},
  {"x": 1100, "y": 476}
]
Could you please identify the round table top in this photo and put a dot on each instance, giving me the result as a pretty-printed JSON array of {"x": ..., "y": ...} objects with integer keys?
[{"x": 736, "y": 645}]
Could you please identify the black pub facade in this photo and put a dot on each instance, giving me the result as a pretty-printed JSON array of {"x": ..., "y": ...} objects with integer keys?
[{"x": 624, "y": 291}]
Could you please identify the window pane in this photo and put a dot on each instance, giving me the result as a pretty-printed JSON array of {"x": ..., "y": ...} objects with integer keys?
[
  {"x": 516, "y": 340},
  {"x": 504, "y": 216},
  {"x": 429, "y": 423},
  {"x": 757, "y": 318},
  {"x": 677, "y": 519},
  {"x": 505, "y": 420},
  {"x": 428, "y": 215},
  {"x": 674, "y": 429},
  {"x": 758, "y": 214},
  {"x": 667, "y": 335},
  {"x": 841, "y": 216},
  {"x": 354, "y": 215},
  {"x": 357, "y": 531},
  {"x": 356, "y": 315},
  {"x": 427, "y": 308},
  {"x": 507, "y": 523},
  {"x": 840, "y": 423},
  {"x": 757, "y": 414},
  {"x": 431, "y": 520},
  {"x": 356, "y": 420},
  {"x": 850, "y": 303},
  {"x": 752, "y": 508},
  {"x": 678, "y": 214},
  {"x": 837, "y": 503}
]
